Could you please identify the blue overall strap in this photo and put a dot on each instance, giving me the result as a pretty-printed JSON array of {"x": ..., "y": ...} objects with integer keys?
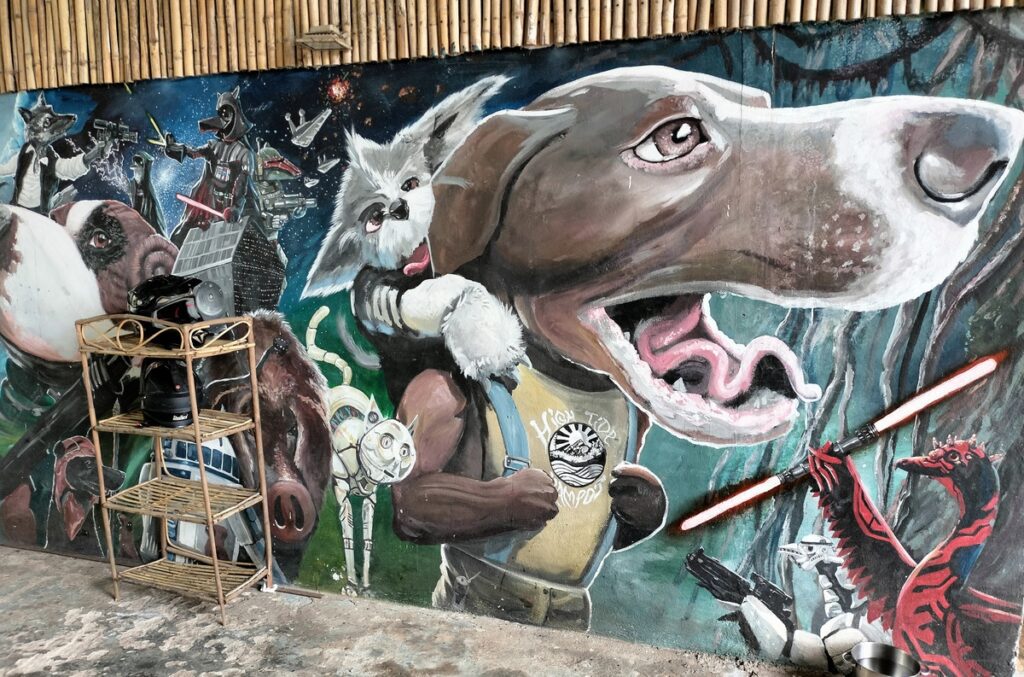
[
  {"x": 510, "y": 423},
  {"x": 632, "y": 448},
  {"x": 632, "y": 451}
]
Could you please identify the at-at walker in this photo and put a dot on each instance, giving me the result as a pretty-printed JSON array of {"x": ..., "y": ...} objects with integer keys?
[{"x": 369, "y": 450}]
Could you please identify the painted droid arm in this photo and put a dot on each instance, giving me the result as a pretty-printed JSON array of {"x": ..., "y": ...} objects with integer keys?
[
  {"x": 480, "y": 332},
  {"x": 775, "y": 640}
]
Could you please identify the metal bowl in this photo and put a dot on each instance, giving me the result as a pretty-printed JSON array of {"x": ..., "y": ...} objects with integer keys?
[{"x": 875, "y": 659}]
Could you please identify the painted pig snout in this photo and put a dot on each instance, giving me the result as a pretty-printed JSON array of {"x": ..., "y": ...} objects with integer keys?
[{"x": 292, "y": 514}]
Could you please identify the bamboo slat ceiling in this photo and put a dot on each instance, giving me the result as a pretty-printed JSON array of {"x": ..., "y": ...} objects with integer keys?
[{"x": 54, "y": 43}]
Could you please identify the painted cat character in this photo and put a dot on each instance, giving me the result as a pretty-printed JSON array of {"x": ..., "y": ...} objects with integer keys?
[{"x": 377, "y": 245}]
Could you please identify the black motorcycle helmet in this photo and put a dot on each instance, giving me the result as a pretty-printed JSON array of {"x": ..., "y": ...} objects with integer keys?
[
  {"x": 176, "y": 299},
  {"x": 165, "y": 400}
]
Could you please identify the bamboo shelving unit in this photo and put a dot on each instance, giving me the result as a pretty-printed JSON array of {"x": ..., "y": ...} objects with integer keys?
[
  {"x": 170, "y": 498},
  {"x": 58, "y": 43}
]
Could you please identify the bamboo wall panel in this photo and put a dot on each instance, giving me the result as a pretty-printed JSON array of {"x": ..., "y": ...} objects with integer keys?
[{"x": 56, "y": 43}]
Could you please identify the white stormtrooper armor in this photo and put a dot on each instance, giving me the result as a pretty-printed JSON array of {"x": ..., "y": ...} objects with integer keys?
[{"x": 847, "y": 623}]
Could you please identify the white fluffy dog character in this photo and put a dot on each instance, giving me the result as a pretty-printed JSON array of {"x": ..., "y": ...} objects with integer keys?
[{"x": 377, "y": 246}]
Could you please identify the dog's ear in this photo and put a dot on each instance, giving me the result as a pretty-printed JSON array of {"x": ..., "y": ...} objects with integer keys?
[
  {"x": 471, "y": 186},
  {"x": 339, "y": 260},
  {"x": 26, "y": 114},
  {"x": 60, "y": 214},
  {"x": 736, "y": 92},
  {"x": 444, "y": 126}
]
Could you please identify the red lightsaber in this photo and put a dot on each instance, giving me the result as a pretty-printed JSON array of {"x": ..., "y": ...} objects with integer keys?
[
  {"x": 199, "y": 205},
  {"x": 862, "y": 437}
]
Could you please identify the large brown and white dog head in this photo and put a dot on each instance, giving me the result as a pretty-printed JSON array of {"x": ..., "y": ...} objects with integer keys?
[
  {"x": 79, "y": 262},
  {"x": 609, "y": 207}
]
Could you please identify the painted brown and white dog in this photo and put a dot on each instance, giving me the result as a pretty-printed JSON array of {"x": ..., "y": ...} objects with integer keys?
[
  {"x": 78, "y": 262},
  {"x": 604, "y": 212}
]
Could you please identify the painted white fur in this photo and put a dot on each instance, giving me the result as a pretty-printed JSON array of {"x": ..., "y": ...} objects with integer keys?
[
  {"x": 38, "y": 301},
  {"x": 483, "y": 335}
]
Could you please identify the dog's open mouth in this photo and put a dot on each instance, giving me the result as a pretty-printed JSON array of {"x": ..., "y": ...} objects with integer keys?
[
  {"x": 418, "y": 261},
  {"x": 697, "y": 381}
]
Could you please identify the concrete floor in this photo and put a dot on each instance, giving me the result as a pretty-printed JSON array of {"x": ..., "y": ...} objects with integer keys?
[{"x": 57, "y": 617}]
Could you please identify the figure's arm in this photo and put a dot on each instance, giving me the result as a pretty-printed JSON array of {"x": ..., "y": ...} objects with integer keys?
[
  {"x": 238, "y": 189},
  {"x": 773, "y": 639},
  {"x": 444, "y": 508},
  {"x": 639, "y": 504},
  {"x": 71, "y": 168},
  {"x": 481, "y": 333},
  {"x": 179, "y": 151},
  {"x": 434, "y": 506}
]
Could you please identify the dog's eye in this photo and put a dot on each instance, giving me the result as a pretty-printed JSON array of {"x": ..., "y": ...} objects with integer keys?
[
  {"x": 99, "y": 240},
  {"x": 671, "y": 141},
  {"x": 373, "y": 217},
  {"x": 410, "y": 184}
]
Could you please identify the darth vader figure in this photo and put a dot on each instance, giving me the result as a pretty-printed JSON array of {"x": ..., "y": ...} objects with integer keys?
[{"x": 225, "y": 187}]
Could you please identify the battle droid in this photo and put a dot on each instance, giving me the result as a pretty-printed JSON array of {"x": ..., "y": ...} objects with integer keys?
[
  {"x": 225, "y": 186},
  {"x": 765, "y": 612}
]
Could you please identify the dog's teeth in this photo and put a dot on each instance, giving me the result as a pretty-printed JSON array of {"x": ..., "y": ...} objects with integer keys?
[{"x": 628, "y": 335}]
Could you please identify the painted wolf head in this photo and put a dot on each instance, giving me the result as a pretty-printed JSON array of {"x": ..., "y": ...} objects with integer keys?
[
  {"x": 43, "y": 125},
  {"x": 385, "y": 202}
]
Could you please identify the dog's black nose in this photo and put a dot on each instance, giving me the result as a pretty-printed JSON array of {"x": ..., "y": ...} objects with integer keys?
[
  {"x": 399, "y": 210},
  {"x": 960, "y": 157}
]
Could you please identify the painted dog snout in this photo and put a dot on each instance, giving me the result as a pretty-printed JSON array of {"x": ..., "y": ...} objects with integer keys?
[
  {"x": 961, "y": 158},
  {"x": 608, "y": 208}
]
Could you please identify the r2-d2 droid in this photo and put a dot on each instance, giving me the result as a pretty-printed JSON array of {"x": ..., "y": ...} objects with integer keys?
[{"x": 244, "y": 530}]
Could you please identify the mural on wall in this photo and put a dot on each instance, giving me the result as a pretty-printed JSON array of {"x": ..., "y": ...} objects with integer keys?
[{"x": 550, "y": 301}]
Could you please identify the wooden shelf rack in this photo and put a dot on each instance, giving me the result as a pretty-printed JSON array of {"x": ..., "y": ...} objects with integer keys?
[
  {"x": 213, "y": 425},
  {"x": 171, "y": 498},
  {"x": 174, "y": 498},
  {"x": 195, "y": 580}
]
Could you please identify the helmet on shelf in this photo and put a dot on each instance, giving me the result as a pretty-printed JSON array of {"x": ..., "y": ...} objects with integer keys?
[
  {"x": 181, "y": 300},
  {"x": 165, "y": 399}
]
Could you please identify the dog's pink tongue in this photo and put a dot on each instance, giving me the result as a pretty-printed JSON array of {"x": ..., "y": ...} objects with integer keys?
[
  {"x": 417, "y": 261},
  {"x": 667, "y": 343}
]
